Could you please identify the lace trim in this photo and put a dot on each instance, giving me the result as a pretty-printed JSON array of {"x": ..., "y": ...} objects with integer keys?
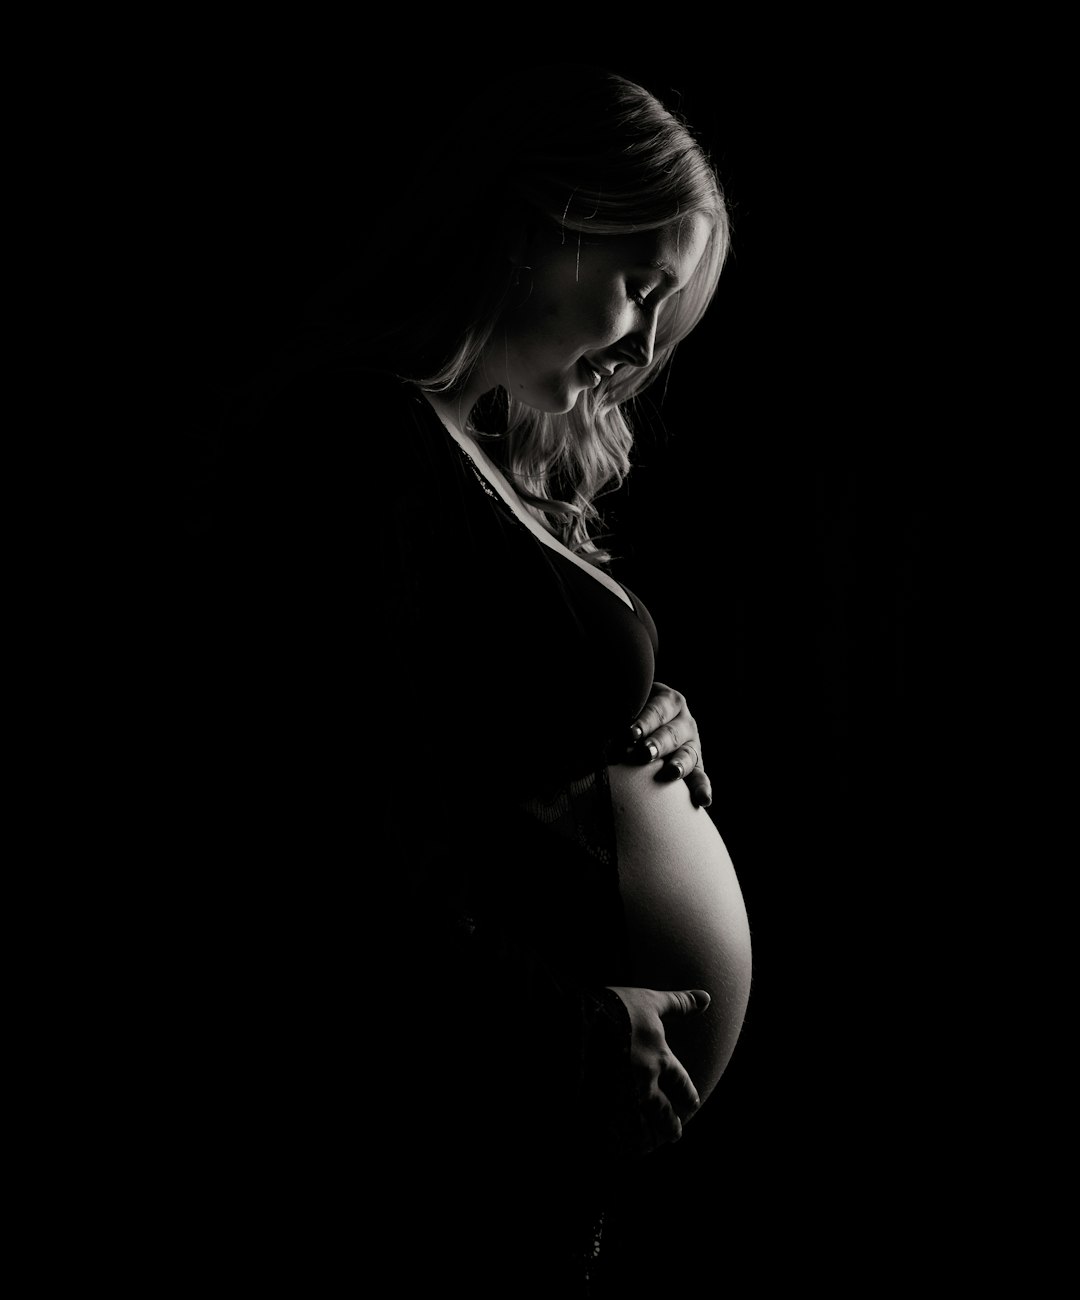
[
  {"x": 487, "y": 486},
  {"x": 479, "y": 477},
  {"x": 581, "y": 812}
]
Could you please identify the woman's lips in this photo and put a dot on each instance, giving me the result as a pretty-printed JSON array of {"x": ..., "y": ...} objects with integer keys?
[{"x": 593, "y": 374}]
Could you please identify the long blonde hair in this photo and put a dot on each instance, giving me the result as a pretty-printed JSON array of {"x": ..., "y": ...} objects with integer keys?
[{"x": 594, "y": 154}]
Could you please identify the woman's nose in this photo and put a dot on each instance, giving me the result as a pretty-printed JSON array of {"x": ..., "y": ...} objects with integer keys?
[{"x": 639, "y": 345}]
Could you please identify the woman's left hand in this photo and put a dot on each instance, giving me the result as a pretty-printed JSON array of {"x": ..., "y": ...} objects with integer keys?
[{"x": 665, "y": 729}]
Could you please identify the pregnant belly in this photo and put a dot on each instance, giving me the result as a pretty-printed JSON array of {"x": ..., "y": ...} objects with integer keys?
[{"x": 684, "y": 912}]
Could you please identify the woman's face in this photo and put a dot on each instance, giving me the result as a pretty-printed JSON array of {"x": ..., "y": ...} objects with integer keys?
[{"x": 586, "y": 309}]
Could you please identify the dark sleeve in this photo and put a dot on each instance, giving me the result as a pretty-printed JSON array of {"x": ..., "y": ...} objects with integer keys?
[
  {"x": 334, "y": 649},
  {"x": 461, "y": 636}
]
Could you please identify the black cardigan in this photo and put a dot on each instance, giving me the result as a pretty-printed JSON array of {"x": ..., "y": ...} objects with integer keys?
[{"x": 393, "y": 902}]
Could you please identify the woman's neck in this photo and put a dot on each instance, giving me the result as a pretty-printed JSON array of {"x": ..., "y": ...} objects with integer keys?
[
  {"x": 454, "y": 415},
  {"x": 455, "y": 407}
]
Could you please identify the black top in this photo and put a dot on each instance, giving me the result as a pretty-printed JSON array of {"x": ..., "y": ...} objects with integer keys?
[
  {"x": 569, "y": 663},
  {"x": 612, "y": 679},
  {"x": 395, "y": 902}
]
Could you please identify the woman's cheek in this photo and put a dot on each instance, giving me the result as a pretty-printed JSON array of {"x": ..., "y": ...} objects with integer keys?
[{"x": 613, "y": 323}]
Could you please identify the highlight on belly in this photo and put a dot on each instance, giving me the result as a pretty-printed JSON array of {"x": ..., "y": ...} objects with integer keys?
[{"x": 685, "y": 914}]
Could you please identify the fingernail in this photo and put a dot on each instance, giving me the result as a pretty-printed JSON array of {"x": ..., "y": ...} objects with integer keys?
[
  {"x": 677, "y": 767},
  {"x": 705, "y": 803},
  {"x": 653, "y": 750},
  {"x": 636, "y": 732}
]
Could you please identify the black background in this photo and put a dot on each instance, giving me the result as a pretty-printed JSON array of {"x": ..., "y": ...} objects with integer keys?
[{"x": 784, "y": 524}]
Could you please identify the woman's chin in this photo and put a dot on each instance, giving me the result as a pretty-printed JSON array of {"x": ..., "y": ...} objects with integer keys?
[
  {"x": 553, "y": 401},
  {"x": 554, "y": 393}
]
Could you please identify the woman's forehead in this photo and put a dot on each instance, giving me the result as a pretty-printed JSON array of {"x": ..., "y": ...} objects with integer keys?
[{"x": 673, "y": 250}]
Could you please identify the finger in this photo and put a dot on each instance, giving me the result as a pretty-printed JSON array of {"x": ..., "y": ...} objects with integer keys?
[
  {"x": 683, "y": 1002},
  {"x": 663, "y": 1119},
  {"x": 665, "y": 740},
  {"x": 684, "y": 758},
  {"x": 679, "y": 1089},
  {"x": 663, "y": 705},
  {"x": 700, "y": 787},
  {"x": 681, "y": 761}
]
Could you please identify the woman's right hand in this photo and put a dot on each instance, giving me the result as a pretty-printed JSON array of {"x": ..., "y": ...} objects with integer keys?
[{"x": 666, "y": 1094}]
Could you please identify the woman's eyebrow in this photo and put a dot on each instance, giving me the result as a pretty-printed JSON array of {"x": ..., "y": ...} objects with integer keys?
[{"x": 666, "y": 270}]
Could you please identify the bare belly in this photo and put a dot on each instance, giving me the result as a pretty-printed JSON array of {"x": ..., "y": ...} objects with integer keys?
[{"x": 685, "y": 913}]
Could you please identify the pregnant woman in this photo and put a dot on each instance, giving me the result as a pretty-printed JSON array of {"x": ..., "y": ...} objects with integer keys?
[
  {"x": 583, "y": 930},
  {"x": 553, "y": 951}
]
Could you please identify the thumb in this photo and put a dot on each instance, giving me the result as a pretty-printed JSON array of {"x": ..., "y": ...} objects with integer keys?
[{"x": 686, "y": 1002}]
